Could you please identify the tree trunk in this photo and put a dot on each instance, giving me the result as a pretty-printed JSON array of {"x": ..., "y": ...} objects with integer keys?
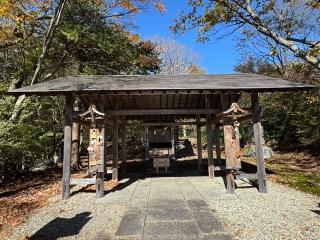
[{"x": 45, "y": 49}]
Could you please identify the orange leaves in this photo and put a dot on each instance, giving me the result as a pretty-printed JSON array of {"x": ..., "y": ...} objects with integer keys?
[
  {"x": 22, "y": 10},
  {"x": 128, "y": 5},
  {"x": 134, "y": 37},
  {"x": 18, "y": 199},
  {"x": 160, "y": 6},
  {"x": 17, "y": 17},
  {"x": 5, "y": 7},
  {"x": 134, "y": 6}
]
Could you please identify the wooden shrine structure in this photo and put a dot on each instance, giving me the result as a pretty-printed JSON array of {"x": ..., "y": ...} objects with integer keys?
[{"x": 209, "y": 100}]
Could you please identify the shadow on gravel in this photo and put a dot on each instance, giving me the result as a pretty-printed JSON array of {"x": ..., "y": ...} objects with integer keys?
[
  {"x": 119, "y": 187},
  {"x": 318, "y": 210},
  {"x": 62, "y": 227}
]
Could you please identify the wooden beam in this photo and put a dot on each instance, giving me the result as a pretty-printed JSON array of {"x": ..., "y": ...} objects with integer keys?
[
  {"x": 247, "y": 176},
  {"x": 82, "y": 181},
  {"x": 160, "y": 124},
  {"x": 115, "y": 150},
  {"x": 87, "y": 121},
  {"x": 199, "y": 144},
  {"x": 261, "y": 171},
  {"x": 177, "y": 111},
  {"x": 67, "y": 148}
]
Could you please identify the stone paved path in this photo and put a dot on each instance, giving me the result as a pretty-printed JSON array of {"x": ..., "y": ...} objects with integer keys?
[{"x": 173, "y": 208}]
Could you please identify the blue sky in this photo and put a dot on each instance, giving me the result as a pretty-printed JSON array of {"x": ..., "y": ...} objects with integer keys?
[{"x": 216, "y": 56}]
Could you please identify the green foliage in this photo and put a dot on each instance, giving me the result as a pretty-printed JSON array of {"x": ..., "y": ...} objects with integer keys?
[
  {"x": 289, "y": 118},
  {"x": 28, "y": 142},
  {"x": 85, "y": 42},
  {"x": 94, "y": 45}
]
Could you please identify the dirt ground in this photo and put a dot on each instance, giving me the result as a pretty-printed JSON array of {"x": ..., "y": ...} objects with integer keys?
[{"x": 19, "y": 199}]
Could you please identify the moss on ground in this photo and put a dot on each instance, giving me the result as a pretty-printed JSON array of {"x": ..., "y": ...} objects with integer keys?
[
  {"x": 290, "y": 175},
  {"x": 302, "y": 180}
]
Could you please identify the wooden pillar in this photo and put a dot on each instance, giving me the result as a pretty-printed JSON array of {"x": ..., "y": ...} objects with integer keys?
[
  {"x": 102, "y": 166},
  {"x": 217, "y": 141},
  {"x": 173, "y": 153},
  {"x": 227, "y": 130},
  {"x": 261, "y": 171},
  {"x": 67, "y": 148},
  {"x": 75, "y": 156},
  {"x": 209, "y": 148},
  {"x": 75, "y": 145},
  {"x": 115, "y": 149},
  {"x": 146, "y": 142},
  {"x": 199, "y": 144},
  {"x": 209, "y": 140},
  {"x": 124, "y": 150}
]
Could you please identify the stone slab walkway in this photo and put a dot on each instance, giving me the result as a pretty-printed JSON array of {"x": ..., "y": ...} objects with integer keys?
[{"x": 172, "y": 208}]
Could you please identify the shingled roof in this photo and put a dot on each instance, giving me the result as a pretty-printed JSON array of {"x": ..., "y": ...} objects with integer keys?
[{"x": 235, "y": 82}]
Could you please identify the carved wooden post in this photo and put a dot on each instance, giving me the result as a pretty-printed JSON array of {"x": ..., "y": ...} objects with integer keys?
[
  {"x": 67, "y": 148},
  {"x": 115, "y": 149},
  {"x": 199, "y": 144},
  {"x": 217, "y": 140},
  {"x": 261, "y": 171},
  {"x": 227, "y": 129},
  {"x": 75, "y": 158},
  {"x": 101, "y": 168}
]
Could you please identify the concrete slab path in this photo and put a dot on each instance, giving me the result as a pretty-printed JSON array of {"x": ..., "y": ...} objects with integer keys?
[{"x": 173, "y": 208}]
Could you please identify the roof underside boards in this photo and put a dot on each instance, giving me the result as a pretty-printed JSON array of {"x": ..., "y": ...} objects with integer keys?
[
  {"x": 237, "y": 82},
  {"x": 160, "y": 107}
]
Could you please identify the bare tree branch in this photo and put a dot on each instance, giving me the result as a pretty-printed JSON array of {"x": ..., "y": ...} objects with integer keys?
[{"x": 257, "y": 23}]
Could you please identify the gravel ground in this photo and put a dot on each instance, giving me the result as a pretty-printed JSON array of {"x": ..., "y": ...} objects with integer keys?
[
  {"x": 283, "y": 213},
  {"x": 82, "y": 216}
]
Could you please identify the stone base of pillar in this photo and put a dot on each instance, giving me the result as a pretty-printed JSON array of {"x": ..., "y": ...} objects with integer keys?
[
  {"x": 100, "y": 185},
  {"x": 211, "y": 171},
  {"x": 115, "y": 174},
  {"x": 231, "y": 187}
]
